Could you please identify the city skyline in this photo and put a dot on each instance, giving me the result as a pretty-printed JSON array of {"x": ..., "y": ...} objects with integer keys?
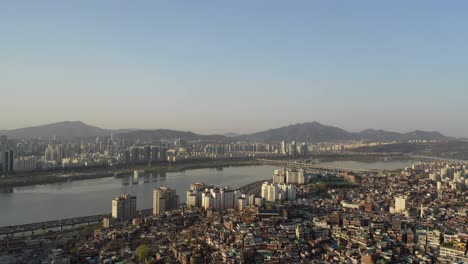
[{"x": 219, "y": 67}]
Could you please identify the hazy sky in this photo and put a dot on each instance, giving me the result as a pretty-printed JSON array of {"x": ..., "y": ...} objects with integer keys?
[{"x": 242, "y": 66}]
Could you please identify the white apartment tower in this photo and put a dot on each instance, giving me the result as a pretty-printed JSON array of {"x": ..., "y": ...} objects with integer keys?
[
  {"x": 124, "y": 207},
  {"x": 164, "y": 199},
  {"x": 400, "y": 203}
]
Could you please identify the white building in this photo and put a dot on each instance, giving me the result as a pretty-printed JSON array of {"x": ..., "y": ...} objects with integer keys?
[
  {"x": 219, "y": 198},
  {"x": 278, "y": 192},
  {"x": 164, "y": 199},
  {"x": 124, "y": 207},
  {"x": 400, "y": 204}
]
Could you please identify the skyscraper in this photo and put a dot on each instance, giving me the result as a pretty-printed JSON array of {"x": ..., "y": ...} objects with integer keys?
[
  {"x": 293, "y": 149},
  {"x": 8, "y": 160},
  {"x": 164, "y": 199},
  {"x": 11, "y": 162},
  {"x": 154, "y": 153},
  {"x": 283, "y": 148},
  {"x": 124, "y": 207}
]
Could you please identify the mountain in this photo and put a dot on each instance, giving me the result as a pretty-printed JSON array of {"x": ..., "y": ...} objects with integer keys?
[
  {"x": 315, "y": 132},
  {"x": 158, "y": 134},
  {"x": 308, "y": 132},
  {"x": 377, "y": 135},
  {"x": 453, "y": 149},
  {"x": 382, "y": 135},
  {"x": 62, "y": 130}
]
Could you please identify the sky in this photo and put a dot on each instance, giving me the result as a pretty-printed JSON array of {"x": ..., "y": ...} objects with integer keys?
[{"x": 235, "y": 66}]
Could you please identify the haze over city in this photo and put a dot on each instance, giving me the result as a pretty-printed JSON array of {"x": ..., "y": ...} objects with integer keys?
[
  {"x": 216, "y": 67},
  {"x": 241, "y": 132}
]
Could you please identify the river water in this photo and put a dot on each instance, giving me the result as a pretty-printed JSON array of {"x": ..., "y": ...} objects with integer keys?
[{"x": 56, "y": 201}]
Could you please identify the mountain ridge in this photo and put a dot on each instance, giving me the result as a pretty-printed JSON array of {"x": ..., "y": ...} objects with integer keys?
[{"x": 313, "y": 132}]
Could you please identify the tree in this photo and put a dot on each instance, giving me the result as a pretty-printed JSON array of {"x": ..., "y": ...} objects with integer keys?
[{"x": 142, "y": 252}]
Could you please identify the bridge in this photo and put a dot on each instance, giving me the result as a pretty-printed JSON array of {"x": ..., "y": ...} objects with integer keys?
[
  {"x": 57, "y": 225},
  {"x": 433, "y": 158},
  {"x": 314, "y": 167}
]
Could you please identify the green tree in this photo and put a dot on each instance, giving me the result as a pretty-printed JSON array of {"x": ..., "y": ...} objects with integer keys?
[{"x": 142, "y": 252}]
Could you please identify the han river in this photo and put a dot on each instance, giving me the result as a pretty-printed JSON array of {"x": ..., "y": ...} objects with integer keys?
[{"x": 38, "y": 203}]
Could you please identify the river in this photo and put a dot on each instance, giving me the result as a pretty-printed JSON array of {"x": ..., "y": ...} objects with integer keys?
[{"x": 23, "y": 205}]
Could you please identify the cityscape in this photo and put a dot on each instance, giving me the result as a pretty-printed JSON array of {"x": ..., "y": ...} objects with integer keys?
[{"x": 241, "y": 132}]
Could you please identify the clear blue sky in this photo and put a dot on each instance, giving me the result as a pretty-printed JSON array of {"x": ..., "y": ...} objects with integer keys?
[{"x": 242, "y": 66}]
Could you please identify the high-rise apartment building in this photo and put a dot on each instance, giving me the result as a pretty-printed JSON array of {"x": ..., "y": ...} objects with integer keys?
[
  {"x": 124, "y": 207},
  {"x": 278, "y": 192},
  {"x": 164, "y": 199},
  {"x": 400, "y": 204}
]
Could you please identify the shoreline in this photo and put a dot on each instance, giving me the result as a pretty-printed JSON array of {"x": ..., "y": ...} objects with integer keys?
[
  {"x": 51, "y": 177},
  {"x": 88, "y": 173},
  {"x": 142, "y": 212}
]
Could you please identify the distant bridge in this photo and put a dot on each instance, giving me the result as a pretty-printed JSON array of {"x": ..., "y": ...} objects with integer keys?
[
  {"x": 56, "y": 225},
  {"x": 433, "y": 158},
  {"x": 315, "y": 167}
]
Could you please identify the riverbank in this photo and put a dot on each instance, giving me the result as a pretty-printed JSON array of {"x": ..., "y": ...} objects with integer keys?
[{"x": 81, "y": 174}]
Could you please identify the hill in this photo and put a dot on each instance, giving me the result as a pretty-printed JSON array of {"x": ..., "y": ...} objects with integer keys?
[
  {"x": 62, "y": 130},
  {"x": 382, "y": 135},
  {"x": 448, "y": 149},
  {"x": 316, "y": 132},
  {"x": 309, "y": 132},
  {"x": 158, "y": 134}
]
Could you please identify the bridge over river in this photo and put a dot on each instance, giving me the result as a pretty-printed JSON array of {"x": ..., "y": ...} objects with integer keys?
[{"x": 315, "y": 167}]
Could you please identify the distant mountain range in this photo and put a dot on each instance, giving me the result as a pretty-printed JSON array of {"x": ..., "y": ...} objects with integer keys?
[
  {"x": 308, "y": 132},
  {"x": 316, "y": 132}
]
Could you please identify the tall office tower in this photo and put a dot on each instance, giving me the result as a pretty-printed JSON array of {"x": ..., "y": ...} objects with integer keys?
[
  {"x": 11, "y": 162},
  {"x": 400, "y": 203},
  {"x": 147, "y": 153},
  {"x": 180, "y": 143},
  {"x": 293, "y": 149},
  {"x": 164, "y": 199},
  {"x": 124, "y": 207},
  {"x": 8, "y": 162},
  {"x": 154, "y": 153},
  {"x": 304, "y": 149},
  {"x": 283, "y": 148}
]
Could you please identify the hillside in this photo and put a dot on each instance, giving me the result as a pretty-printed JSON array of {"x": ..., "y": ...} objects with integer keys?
[
  {"x": 309, "y": 132},
  {"x": 62, "y": 130},
  {"x": 316, "y": 132},
  {"x": 158, "y": 134}
]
